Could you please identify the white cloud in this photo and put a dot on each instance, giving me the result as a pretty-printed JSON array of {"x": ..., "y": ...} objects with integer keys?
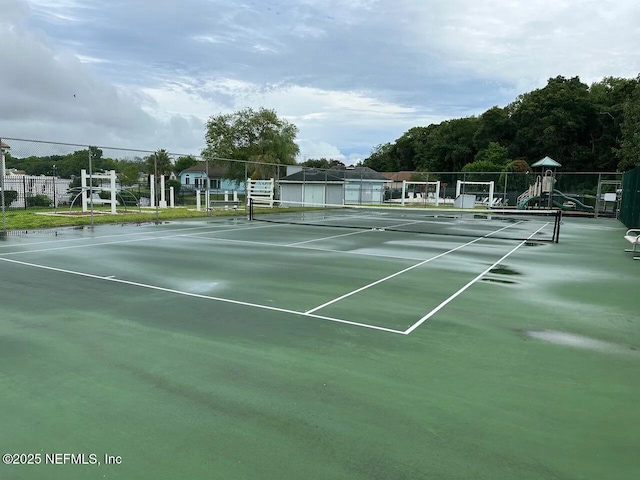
[
  {"x": 350, "y": 75},
  {"x": 528, "y": 42}
]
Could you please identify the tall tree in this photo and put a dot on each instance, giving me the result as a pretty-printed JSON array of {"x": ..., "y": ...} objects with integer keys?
[
  {"x": 629, "y": 152},
  {"x": 450, "y": 145},
  {"x": 259, "y": 137},
  {"x": 182, "y": 163},
  {"x": 494, "y": 125},
  {"x": 555, "y": 121},
  {"x": 159, "y": 163},
  {"x": 493, "y": 153},
  {"x": 322, "y": 163},
  {"x": 608, "y": 98},
  {"x": 380, "y": 158},
  {"x": 129, "y": 175}
]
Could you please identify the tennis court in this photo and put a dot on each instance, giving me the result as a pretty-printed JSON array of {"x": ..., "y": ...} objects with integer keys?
[{"x": 228, "y": 348}]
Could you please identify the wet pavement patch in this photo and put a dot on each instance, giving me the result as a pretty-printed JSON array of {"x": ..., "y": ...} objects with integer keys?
[
  {"x": 532, "y": 244},
  {"x": 502, "y": 270},
  {"x": 497, "y": 280},
  {"x": 576, "y": 341}
]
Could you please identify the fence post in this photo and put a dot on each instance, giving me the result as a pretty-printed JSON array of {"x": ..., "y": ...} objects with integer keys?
[{"x": 2, "y": 171}]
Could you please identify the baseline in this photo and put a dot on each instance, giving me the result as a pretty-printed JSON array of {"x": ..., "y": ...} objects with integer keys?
[
  {"x": 117, "y": 242},
  {"x": 109, "y": 236},
  {"x": 205, "y": 297}
]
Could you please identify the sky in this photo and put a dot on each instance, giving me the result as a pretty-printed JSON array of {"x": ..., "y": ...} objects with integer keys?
[{"x": 350, "y": 74}]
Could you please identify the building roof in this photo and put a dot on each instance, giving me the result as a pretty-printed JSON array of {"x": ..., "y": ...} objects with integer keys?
[
  {"x": 404, "y": 175},
  {"x": 546, "y": 162},
  {"x": 4, "y": 145},
  {"x": 335, "y": 175},
  {"x": 312, "y": 175},
  {"x": 357, "y": 173},
  {"x": 215, "y": 171}
]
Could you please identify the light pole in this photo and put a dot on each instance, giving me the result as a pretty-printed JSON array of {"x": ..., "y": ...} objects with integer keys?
[
  {"x": 55, "y": 203},
  {"x": 155, "y": 185},
  {"x": 3, "y": 147}
]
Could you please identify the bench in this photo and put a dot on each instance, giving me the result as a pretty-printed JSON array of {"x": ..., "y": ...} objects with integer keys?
[{"x": 633, "y": 237}]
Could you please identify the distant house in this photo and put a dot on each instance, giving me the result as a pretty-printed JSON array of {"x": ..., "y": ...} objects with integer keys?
[
  {"x": 311, "y": 186},
  {"x": 195, "y": 178},
  {"x": 362, "y": 185},
  {"x": 396, "y": 178},
  {"x": 357, "y": 185}
]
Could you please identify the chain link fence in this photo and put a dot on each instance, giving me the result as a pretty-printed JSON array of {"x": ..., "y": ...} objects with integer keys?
[{"x": 47, "y": 175}]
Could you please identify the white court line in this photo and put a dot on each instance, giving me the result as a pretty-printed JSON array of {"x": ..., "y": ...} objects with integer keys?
[
  {"x": 79, "y": 239},
  {"x": 317, "y": 249},
  {"x": 110, "y": 278},
  {"x": 117, "y": 242},
  {"x": 459, "y": 292},
  {"x": 346, "y": 295},
  {"x": 326, "y": 238},
  {"x": 346, "y": 234},
  {"x": 390, "y": 277}
]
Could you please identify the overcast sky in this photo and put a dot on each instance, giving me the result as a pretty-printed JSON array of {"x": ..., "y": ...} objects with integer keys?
[{"x": 351, "y": 74}]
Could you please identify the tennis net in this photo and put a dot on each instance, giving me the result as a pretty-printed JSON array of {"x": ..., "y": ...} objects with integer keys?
[{"x": 535, "y": 225}]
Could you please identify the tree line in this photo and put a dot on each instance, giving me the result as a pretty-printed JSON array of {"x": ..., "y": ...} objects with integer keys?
[
  {"x": 585, "y": 128},
  {"x": 128, "y": 170}
]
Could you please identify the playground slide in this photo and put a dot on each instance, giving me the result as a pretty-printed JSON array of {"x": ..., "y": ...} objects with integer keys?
[
  {"x": 556, "y": 193},
  {"x": 522, "y": 205},
  {"x": 562, "y": 206},
  {"x": 579, "y": 205}
]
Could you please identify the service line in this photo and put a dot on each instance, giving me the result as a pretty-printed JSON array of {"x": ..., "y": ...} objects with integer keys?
[
  {"x": 377, "y": 282},
  {"x": 459, "y": 292},
  {"x": 110, "y": 278}
]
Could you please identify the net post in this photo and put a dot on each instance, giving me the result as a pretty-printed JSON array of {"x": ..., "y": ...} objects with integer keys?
[
  {"x": 251, "y": 209},
  {"x": 556, "y": 226}
]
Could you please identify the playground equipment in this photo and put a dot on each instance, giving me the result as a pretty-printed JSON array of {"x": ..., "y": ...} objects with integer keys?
[
  {"x": 91, "y": 195},
  {"x": 542, "y": 192},
  {"x": 420, "y": 192},
  {"x": 162, "y": 203},
  {"x": 111, "y": 176},
  {"x": 482, "y": 196},
  {"x": 211, "y": 204}
]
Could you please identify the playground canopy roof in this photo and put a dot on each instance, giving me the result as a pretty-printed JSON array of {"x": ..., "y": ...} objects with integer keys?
[{"x": 546, "y": 162}]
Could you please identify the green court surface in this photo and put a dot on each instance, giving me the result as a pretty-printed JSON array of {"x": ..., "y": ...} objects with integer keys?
[{"x": 229, "y": 349}]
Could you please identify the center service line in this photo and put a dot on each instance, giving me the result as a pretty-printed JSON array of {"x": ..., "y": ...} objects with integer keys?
[
  {"x": 404, "y": 271},
  {"x": 459, "y": 292}
]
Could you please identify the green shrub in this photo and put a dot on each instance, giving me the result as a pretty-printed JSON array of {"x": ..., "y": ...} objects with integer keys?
[
  {"x": 39, "y": 201},
  {"x": 175, "y": 184},
  {"x": 9, "y": 197}
]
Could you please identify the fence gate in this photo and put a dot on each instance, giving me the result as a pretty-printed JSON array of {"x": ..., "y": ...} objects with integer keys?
[{"x": 260, "y": 192}]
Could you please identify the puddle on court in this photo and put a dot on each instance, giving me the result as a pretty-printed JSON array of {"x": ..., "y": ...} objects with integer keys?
[
  {"x": 498, "y": 280},
  {"x": 504, "y": 270},
  {"x": 532, "y": 244},
  {"x": 577, "y": 341}
]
